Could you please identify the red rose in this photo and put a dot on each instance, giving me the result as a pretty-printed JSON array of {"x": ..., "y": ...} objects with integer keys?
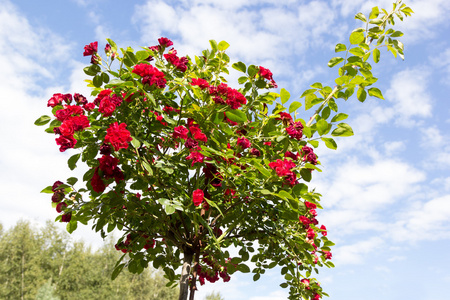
[
  {"x": 165, "y": 42},
  {"x": 90, "y": 49},
  {"x": 56, "y": 185},
  {"x": 97, "y": 183},
  {"x": 66, "y": 217},
  {"x": 180, "y": 132},
  {"x": 244, "y": 143},
  {"x": 118, "y": 136},
  {"x": 202, "y": 83},
  {"x": 324, "y": 230},
  {"x": 57, "y": 196},
  {"x": 197, "y": 197},
  {"x": 196, "y": 157},
  {"x": 55, "y": 100},
  {"x": 65, "y": 142},
  {"x": 106, "y": 106},
  {"x": 60, "y": 207}
]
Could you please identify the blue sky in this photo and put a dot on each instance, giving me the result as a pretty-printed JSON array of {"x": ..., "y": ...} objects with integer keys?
[{"x": 386, "y": 190}]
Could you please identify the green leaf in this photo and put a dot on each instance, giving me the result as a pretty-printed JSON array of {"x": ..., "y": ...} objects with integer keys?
[
  {"x": 361, "y": 16},
  {"x": 105, "y": 77},
  {"x": 306, "y": 174},
  {"x": 242, "y": 79},
  {"x": 397, "y": 34},
  {"x": 376, "y": 55},
  {"x": 334, "y": 61},
  {"x": 339, "y": 117},
  {"x": 357, "y": 36},
  {"x": 340, "y": 47},
  {"x": 252, "y": 70},
  {"x": 42, "y": 120},
  {"x": 223, "y": 46},
  {"x": 330, "y": 143},
  {"x": 361, "y": 94},
  {"x": 357, "y": 51},
  {"x": 256, "y": 276},
  {"x": 141, "y": 55},
  {"x": 343, "y": 130},
  {"x": 169, "y": 209},
  {"x": 97, "y": 81},
  {"x": 72, "y": 162},
  {"x": 317, "y": 85},
  {"x": 147, "y": 167},
  {"x": 322, "y": 126},
  {"x": 92, "y": 70},
  {"x": 72, "y": 180},
  {"x": 307, "y": 92},
  {"x": 294, "y": 106},
  {"x": 213, "y": 44},
  {"x": 71, "y": 226},
  {"x": 284, "y": 95},
  {"x": 374, "y": 92},
  {"x": 236, "y": 115},
  {"x": 375, "y": 12},
  {"x": 240, "y": 66},
  {"x": 326, "y": 112},
  {"x": 284, "y": 285},
  {"x": 243, "y": 268},
  {"x": 47, "y": 190},
  {"x": 117, "y": 271},
  {"x": 135, "y": 143}
]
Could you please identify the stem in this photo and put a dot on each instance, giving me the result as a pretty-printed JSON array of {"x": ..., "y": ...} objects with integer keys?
[
  {"x": 322, "y": 106},
  {"x": 194, "y": 274},
  {"x": 186, "y": 270}
]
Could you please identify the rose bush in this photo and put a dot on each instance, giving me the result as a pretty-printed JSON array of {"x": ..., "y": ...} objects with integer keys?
[{"x": 198, "y": 174}]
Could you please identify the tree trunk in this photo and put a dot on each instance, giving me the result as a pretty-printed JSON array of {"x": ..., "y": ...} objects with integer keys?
[{"x": 184, "y": 280}]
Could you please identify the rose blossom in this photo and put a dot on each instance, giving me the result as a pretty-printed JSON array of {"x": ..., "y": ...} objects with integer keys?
[
  {"x": 197, "y": 197},
  {"x": 118, "y": 136},
  {"x": 244, "y": 143},
  {"x": 90, "y": 49}
]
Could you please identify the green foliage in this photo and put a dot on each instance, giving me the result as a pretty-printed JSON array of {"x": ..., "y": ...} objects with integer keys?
[
  {"x": 214, "y": 296},
  {"x": 45, "y": 265}
]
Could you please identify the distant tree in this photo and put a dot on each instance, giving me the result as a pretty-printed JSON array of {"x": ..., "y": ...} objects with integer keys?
[
  {"x": 47, "y": 291},
  {"x": 20, "y": 272},
  {"x": 214, "y": 296},
  {"x": 44, "y": 264}
]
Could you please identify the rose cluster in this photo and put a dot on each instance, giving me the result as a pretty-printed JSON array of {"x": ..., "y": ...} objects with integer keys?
[
  {"x": 71, "y": 118},
  {"x": 132, "y": 238},
  {"x": 211, "y": 271},
  {"x": 58, "y": 197}
]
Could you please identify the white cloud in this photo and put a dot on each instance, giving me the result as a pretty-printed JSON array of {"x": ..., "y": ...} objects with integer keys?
[
  {"x": 410, "y": 97},
  {"x": 277, "y": 295},
  {"x": 424, "y": 221},
  {"x": 355, "y": 253},
  {"x": 393, "y": 148}
]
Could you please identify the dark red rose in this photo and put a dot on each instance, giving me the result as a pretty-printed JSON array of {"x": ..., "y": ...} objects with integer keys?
[
  {"x": 80, "y": 99},
  {"x": 57, "y": 196},
  {"x": 66, "y": 217},
  {"x": 90, "y": 49},
  {"x": 97, "y": 183},
  {"x": 56, "y": 185},
  {"x": 60, "y": 207}
]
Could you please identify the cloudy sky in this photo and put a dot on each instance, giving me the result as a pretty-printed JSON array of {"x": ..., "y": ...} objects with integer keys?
[{"x": 386, "y": 190}]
